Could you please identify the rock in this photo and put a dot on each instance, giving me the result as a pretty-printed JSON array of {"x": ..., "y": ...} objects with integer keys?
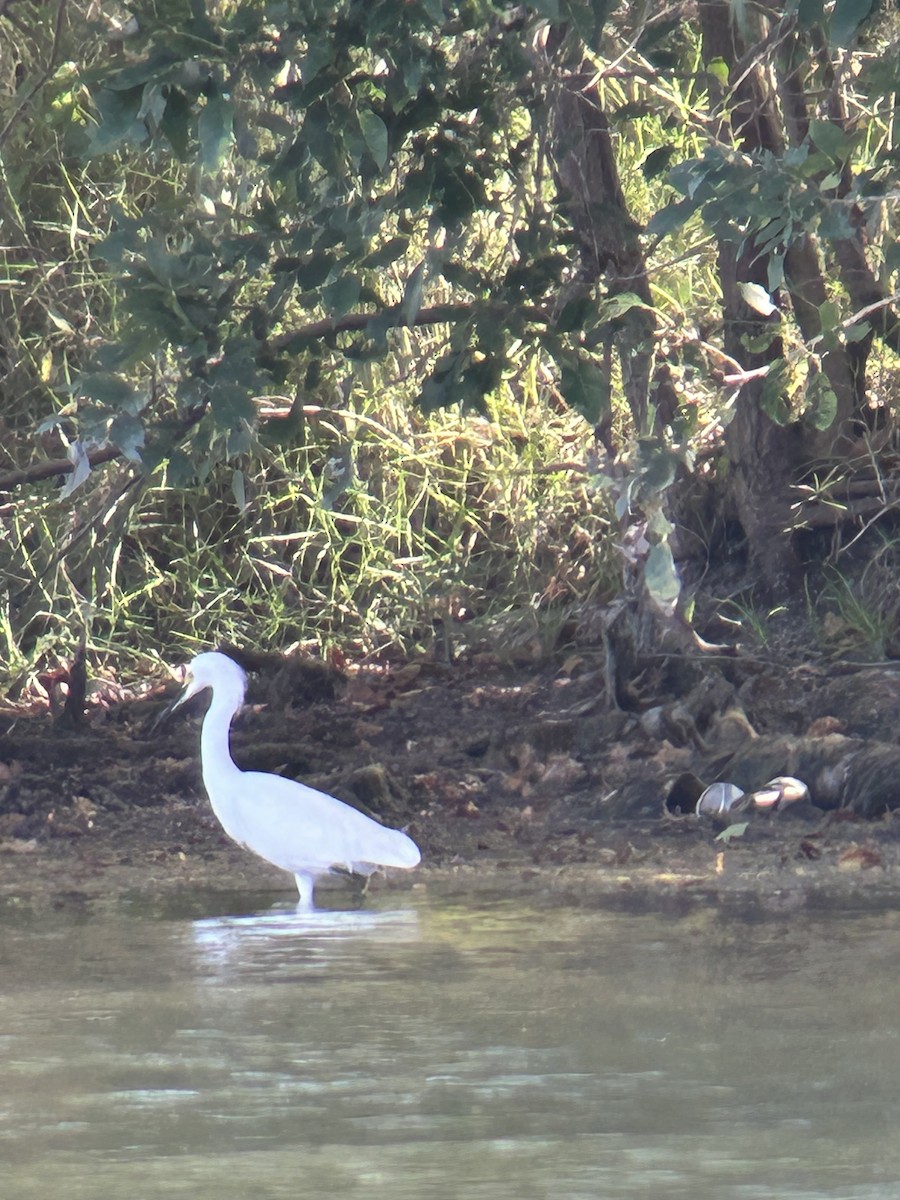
[
  {"x": 867, "y": 703},
  {"x": 840, "y": 772},
  {"x": 375, "y": 790},
  {"x": 683, "y": 795},
  {"x": 636, "y": 799}
]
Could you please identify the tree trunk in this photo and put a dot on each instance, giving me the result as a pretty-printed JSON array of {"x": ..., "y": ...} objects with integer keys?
[
  {"x": 608, "y": 238},
  {"x": 767, "y": 457}
]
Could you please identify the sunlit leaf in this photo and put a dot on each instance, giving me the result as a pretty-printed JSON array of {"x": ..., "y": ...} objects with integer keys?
[
  {"x": 81, "y": 468},
  {"x": 829, "y": 316},
  {"x": 757, "y": 298}
]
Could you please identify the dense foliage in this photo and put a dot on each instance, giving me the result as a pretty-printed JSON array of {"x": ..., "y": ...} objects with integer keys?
[{"x": 265, "y": 260}]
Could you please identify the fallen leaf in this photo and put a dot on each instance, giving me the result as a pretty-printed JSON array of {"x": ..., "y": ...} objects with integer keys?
[
  {"x": 860, "y": 858},
  {"x": 823, "y": 726}
]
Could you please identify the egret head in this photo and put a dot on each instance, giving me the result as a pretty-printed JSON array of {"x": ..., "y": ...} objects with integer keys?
[{"x": 213, "y": 670}]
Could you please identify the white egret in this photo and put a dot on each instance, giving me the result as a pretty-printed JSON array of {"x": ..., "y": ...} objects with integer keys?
[{"x": 293, "y": 826}]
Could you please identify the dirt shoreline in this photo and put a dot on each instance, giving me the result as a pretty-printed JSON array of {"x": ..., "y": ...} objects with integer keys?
[
  {"x": 516, "y": 782},
  {"x": 177, "y": 851}
]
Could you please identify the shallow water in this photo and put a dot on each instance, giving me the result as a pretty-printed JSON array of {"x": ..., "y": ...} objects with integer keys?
[{"x": 445, "y": 1051}]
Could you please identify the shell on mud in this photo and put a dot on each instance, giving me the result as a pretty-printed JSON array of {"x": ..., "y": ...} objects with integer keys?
[{"x": 718, "y": 798}]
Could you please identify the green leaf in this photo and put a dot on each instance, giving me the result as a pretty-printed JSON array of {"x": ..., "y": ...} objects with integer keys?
[
  {"x": 831, "y": 139},
  {"x": 858, "y": 332},
  {"x": 772, "y": 396},
  {"x": 239, "y": 490},
  {"x": 412, "y": 295},
  {"x": 821, "y": 400},
  {"x": 118, "y": 119},
  {"x": 829, "y": 316},
  {"x": 375, "y": 132},
  {"x": 180, "y": 471},
  {"x": 661, "y": 577},
  {"x": 230, "y": 406},
  {"x": 620, "y": 304},
  {"x": 657, "y": 161},
  {"x": 810, "y": 12},
  {"x": 775, "y": 272},
  {"x": 659, "y": 466},
  {"x": 585, "y": 388},
  {"x": 127, "y": 432},
  {"x": 738, "y": 829},
  {"x": 341, "y": 296},
  {"x": 667, "y": 220},
  {"x": 388, "y": 253},
  {"x": 214, "y": 131},
  {"x": 465, "y": 277},
  {"x": 846, "y": 19},
  {"x": 575, "y": 314},
  {"x": 320, "y": 138},
  {"x": 437, "y": 391},
  {"x": 175, "y": 123},
  {"x": 313, "y": 272},
  {"x": 107, "y": 389}
]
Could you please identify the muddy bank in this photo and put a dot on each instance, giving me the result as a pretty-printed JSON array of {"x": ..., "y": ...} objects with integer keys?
[{"x": 518, "y": 781}]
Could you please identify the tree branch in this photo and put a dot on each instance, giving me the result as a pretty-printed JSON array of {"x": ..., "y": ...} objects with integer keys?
[
  {"x": 55, "y": 466},
  {"x": 438, "y": 314}
]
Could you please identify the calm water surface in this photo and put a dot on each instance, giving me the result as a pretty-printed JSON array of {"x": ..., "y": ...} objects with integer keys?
[{"x": 444, "y": 1051}]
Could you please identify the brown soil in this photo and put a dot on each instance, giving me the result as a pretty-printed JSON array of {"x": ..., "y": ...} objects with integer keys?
[{"x": 514, "y": 780}]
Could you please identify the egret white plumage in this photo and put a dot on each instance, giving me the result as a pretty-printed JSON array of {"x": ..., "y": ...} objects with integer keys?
[{"x": 293, "y": 826}]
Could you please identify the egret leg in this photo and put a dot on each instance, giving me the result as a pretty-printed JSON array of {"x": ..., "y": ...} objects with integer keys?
[{"x": 305, "y": 888}]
